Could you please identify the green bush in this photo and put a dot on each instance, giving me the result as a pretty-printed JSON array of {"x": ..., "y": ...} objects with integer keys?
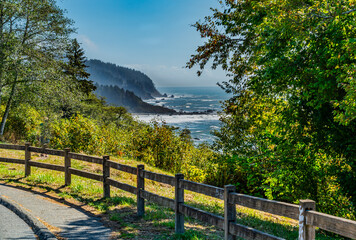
[
  {"x": 158, "y": 145},
  {"x": 78, "y": 133},
  {"x": 23, "y": 124}
]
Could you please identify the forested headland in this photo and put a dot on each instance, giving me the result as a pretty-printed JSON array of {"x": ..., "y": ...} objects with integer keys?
[
  {"x": 124, "y": 87},
  {"x": 108, "y": 74},
  {"x": 288, "y": 132}
]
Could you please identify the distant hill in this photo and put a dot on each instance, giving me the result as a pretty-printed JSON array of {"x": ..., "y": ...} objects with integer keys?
[
  {"x": 121, "y": 97},
  {"x": 129, "y": 79}
]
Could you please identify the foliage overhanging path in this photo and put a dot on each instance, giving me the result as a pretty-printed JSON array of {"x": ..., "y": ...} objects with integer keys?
[
  {"x": 66, "y": 221},
  {"x": 291, "y": 122}
]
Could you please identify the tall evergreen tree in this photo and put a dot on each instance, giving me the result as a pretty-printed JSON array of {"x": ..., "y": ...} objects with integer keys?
[{"x": 76, "y": 68}]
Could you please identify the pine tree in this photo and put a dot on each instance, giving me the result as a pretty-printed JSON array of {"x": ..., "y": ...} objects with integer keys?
[{"x": 76, "y": 67}]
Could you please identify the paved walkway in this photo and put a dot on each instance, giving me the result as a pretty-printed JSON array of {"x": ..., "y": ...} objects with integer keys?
[
  {"x": 13, "y": 227},
  {"x": 70, "y": 222}
]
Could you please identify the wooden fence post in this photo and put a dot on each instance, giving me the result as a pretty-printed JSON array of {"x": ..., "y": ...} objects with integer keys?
[
  {"x": 106, "y": 175},
  {"x": 44, "y": 146},
  {"x": 27, "y": 160},
  {"x": 67, "y": 165},
  {"x": 179, "y": 199},
  {"x": 229, "y": 211},
  {"x": 140, "y": 187},
  {"x": 306, "y": 232}
]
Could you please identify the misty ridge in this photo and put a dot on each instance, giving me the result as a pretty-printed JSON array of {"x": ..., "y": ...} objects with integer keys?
[
  {"x": 126, "y": 78},
  {"x": 126, "y": 87}
]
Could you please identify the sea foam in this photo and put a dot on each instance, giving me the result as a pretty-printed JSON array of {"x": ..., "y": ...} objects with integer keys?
[{"x": 171, "y": 119}]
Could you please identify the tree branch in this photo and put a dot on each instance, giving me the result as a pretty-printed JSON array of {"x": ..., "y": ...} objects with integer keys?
[
  {"x": 329, "y": 17},
  {"x": 347, "y": 12}
]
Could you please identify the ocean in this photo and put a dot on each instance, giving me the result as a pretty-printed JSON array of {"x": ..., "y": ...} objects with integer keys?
[{"x": 191, "y": 99}]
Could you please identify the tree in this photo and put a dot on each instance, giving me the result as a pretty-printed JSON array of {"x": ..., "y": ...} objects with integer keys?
[
  {"x": 76, "y": 68},
  {"x": 292, "y": 65},
  {"x": 33, "y": 37}
]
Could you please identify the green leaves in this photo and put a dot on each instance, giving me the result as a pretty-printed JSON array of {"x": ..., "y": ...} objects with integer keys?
[
  {"x": 292, "y": 65},
  {"x": 33, "y": 37}
]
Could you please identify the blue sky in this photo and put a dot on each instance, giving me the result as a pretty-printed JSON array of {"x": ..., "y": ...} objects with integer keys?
[{"x": 153, "y": 36}]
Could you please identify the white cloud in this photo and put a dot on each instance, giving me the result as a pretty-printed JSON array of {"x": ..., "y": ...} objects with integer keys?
[{"x": 88, "y": 43}]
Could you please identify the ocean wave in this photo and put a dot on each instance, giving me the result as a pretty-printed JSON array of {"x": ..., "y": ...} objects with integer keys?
[{"x": 177, "y": 118}]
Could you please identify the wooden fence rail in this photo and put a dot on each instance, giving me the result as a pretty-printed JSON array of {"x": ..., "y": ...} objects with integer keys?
[
  {"x": 304, "y": 212},
  {"x": 265, "y": 205}
]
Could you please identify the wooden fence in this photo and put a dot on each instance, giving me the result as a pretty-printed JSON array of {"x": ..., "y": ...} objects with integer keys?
[{"x": 304, "y": 212}]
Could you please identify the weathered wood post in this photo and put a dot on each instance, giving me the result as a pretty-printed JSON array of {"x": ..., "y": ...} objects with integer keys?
[
  {"x": 106, "y": 175},
  {"x": 67, "y": 165},
  {"x": 140, "y": 188},
  {"x": 27, "y": 160},
  {"x": 229, "y": 211},
  {"x": 179, "y": 199},
  {"x": 44, "y": 147},
  {"x": 306, "y": 232}
]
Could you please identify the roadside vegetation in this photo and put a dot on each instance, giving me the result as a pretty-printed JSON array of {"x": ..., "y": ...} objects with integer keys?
[
  {"x": 288, "y": 132},
  {"x": 119, "y": 211}
]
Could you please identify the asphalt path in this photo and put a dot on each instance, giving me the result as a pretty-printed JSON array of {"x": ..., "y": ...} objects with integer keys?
[
  {"x": 13, "y": 227},
  {"x": 66, "y": 221}
]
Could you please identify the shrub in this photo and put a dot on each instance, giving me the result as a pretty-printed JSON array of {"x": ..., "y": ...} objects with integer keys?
[
  {"x": 23, "y": 124},
  {"x": 78, "y": 133}
]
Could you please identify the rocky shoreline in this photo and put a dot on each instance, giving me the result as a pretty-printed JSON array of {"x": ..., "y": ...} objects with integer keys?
[{"x": 207, "y": 112}]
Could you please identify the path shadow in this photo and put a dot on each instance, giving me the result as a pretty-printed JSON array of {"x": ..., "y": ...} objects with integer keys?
[{"x": 46, "y": 194}]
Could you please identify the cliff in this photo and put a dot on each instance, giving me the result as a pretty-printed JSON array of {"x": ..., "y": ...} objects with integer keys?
[{"x": 129, "y": 79}]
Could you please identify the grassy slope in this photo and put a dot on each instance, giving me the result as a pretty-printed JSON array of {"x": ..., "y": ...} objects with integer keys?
[{"x": 119, "y": 211}]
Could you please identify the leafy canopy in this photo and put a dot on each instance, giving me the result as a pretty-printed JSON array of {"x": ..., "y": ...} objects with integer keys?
[
  {"x": 292, "y": 66},
  {"x": 300, "y": 51}
]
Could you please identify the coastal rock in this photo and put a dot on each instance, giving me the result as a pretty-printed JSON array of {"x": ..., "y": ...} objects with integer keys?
[{"x": 120, "y": 97}]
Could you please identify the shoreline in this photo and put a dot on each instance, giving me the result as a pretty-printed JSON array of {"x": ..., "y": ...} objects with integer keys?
[{"x": 180, "y": 113}]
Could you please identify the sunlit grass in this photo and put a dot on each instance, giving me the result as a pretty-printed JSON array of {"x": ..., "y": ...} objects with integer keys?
[{"x": 158, "y": 222}]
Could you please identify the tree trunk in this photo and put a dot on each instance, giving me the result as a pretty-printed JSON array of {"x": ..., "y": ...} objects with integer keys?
[
  {"x": 2, "y": 57},
  {"x": 7, "y": 110}
]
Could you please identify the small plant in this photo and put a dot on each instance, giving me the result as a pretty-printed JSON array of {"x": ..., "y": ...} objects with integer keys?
[
  {"x": 124, "y": 201},
  {"x": 41, "y": 178}
]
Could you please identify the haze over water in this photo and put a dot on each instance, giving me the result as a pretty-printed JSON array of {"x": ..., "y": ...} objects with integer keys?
[
  {"x": 145, "y": 35},
  {"x": 191, "y": 99}
]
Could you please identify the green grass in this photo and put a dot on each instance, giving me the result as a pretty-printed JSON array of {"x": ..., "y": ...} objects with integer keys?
[{"x": 158, "y": 222}]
